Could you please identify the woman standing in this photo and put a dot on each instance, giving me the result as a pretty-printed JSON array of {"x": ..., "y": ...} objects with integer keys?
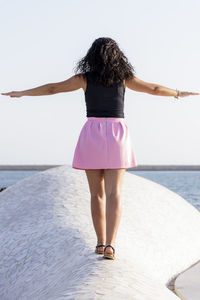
[{"x": 104, "y": 148}]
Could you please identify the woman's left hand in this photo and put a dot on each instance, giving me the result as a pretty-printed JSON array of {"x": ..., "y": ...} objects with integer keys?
[
  {"x": 185, "y": 94},
  {"x": 13, "y": 94}
]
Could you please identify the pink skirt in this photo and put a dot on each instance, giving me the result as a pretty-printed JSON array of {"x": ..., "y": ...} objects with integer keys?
[{"x": 104, "y": 143}]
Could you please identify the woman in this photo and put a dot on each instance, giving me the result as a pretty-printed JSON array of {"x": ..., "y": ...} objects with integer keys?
[{"x": 104, "y": 149}]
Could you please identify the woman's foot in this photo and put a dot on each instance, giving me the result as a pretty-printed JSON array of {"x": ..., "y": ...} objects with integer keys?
[
  {"x": 100, "y": 248},
  {"x": 109, "y": 252}
]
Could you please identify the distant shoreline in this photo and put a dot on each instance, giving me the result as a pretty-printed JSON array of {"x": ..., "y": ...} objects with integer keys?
[{"x": 138, "y": 168}]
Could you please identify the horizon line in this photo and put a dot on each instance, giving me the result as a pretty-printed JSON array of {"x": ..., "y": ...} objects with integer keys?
[{"x": 139, "y": 167}]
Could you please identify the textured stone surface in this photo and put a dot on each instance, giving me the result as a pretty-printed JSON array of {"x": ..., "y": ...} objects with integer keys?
[{"x": 48, "y": 241}]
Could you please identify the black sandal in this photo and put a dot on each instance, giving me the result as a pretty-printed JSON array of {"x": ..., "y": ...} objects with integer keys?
[
  {"x": 108, "y": 255},
  {"x": 98, "y": 250}
]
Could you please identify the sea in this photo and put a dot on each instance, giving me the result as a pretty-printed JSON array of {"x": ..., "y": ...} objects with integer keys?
[{"x": 186, "y": 183}]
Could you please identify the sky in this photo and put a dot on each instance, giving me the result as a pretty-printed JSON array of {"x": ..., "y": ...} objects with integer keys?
[{"x": 41, "y": 42}]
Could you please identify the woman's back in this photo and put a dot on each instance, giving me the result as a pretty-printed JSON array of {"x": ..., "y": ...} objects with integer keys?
[{"x": 102, "y": 101}]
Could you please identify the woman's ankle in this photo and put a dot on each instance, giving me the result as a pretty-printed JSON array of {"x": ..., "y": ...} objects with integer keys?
[
  {"x": 110, "y": 243},
  {"x": 100, "y": 242}
]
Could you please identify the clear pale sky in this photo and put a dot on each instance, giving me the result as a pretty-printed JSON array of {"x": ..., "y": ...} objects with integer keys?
[{"x": 41, "y": 41}]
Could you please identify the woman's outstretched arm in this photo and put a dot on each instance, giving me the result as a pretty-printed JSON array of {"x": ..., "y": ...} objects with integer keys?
[
  {"x": 73, "y": 83},
  {"x": 154, "y": 89}
]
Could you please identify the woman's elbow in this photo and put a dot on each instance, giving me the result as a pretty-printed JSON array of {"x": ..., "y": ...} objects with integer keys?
[
  {"x": 51, "y": 89},
  {"x": 156, "y": 90},
  {"x": 152, "y": 90}
]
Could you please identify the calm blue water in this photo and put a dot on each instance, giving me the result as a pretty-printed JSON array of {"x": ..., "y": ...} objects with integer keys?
[
  {"x": 9, "y": 177},
  {"x": 184, "y": 183}
]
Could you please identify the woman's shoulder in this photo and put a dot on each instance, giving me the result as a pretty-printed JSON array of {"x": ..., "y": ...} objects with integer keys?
[{"x": 85, "y": 79}]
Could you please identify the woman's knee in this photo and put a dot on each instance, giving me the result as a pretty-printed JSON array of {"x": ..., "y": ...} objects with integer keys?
[
  {"x": 113, "y": 182},
  {"x": 97, "y": 197},
  {"x": 113, "y": 195},
  {"x": 96, "y": 183}
]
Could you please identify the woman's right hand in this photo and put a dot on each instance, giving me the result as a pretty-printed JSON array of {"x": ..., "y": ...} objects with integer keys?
[
  {"x": 13, "y": 94},
  {"x": 185, "y": 94}
]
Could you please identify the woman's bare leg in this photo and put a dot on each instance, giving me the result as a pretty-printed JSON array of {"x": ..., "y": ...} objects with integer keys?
[
  {"x": 113, "y": 185},
  {"x": 96, "y": 185}
]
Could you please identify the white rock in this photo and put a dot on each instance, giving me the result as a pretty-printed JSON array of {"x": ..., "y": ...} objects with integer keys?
[{"x": 48, "y": 240}]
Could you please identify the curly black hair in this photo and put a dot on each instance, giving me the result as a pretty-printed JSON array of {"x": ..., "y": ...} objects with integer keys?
[{"x": 105, "y": 63}]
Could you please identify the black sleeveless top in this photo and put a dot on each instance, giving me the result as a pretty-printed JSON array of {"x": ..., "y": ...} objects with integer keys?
[{"x": 102, "y": 101}]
